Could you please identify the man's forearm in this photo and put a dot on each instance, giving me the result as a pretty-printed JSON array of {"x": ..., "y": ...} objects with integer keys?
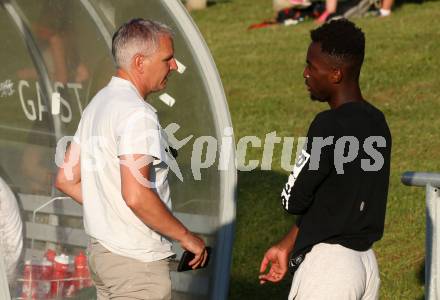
[
  {"x": 154, "y": 213},
  {"x": 288, "y": 242},
  {"x": 72, "y": 190}
]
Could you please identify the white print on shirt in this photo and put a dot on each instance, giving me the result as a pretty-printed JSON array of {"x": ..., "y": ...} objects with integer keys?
[{"x": 300, "y": 163}]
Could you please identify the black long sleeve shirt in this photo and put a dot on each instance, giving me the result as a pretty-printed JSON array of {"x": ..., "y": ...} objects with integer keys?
[{"x": 341, "y": 197}]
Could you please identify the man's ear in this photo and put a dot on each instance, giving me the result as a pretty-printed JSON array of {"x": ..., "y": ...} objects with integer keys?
[
  {"x": 138, "y": 63},
  {"x": 336, "y": 75}
]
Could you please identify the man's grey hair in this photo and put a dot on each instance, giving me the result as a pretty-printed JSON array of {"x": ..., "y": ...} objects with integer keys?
[{"x": 137, "y": 36}]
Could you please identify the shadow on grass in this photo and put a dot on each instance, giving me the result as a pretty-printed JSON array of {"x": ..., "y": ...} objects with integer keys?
[
  {"x": 421, "y": 278},
  {"x": 421, "y": 274},
  {"x": 215, "y": 2},
  {"x": 261, "y": 221}
]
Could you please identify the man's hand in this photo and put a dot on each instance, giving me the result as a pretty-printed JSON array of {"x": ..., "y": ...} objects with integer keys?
[
  {"x": 196, "y": 245},
  {"x": 278, "y": 258}
]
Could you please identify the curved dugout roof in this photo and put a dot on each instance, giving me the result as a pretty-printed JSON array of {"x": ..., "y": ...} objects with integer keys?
[{"x": 57, "y": 51}]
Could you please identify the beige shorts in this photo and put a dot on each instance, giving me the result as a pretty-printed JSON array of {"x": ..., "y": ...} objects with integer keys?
[
  {"x": 331, "y": 272},
  {"x": 123, "y": 278}
]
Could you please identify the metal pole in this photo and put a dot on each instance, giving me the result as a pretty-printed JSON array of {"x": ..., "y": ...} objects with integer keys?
[
  {"x": 420, "y": 179},
  {"x": 431, "y": 182},
  {"x": 228, "y": 180},
  {"x": 432, "y": 242}
]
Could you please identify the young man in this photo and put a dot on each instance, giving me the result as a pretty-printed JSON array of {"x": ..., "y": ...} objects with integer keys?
[
  {"x": 117, "y": 168},
  {"x": 339, "y": 184}
]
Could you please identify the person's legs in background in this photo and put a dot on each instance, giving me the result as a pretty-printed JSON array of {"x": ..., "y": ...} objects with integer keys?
[
  {"x": 385, "y": 10},
  {"x": 330, "y": 8}
]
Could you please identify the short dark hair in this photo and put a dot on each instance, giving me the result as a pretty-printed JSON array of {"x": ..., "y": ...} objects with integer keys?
[{"x": 341, "y": 39}]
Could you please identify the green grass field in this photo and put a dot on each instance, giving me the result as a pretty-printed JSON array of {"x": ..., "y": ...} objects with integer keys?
[{"x": 262, "y": 76}]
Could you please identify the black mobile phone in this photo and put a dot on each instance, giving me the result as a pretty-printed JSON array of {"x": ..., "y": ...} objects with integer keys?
[{"x": 189, "y": 256}]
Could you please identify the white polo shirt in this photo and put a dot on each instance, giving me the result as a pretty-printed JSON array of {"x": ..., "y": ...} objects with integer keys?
[{"x": 119, "y": 122}]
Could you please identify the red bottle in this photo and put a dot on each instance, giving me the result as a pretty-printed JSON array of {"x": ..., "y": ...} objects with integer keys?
[
  {"x": 60, "y": 274},
  {"x": 50, "y": 255},
  {"x": 69, "y": 287},
  {"x": 82, "y": 273},
  {"x": 44, "y": 284},
  {"x": 30, "y": 285}
]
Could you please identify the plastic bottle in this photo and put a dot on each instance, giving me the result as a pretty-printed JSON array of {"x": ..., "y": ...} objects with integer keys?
[
  {"x": 29, "y": 290},
  {"x": 50, "y": 255},
  {"x": 82, "y": 273},
  {"x": 69, "y": 286},
  {"x": 44, "y": 284},
  {"x": 60, "y": 274}
]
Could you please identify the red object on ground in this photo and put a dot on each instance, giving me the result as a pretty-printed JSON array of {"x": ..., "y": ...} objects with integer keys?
[
  {"x": 82, "y": 273},
  {"x": 263, "y": 24}
]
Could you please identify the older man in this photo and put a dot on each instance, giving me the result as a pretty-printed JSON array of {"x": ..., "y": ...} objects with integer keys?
[{"x": 117, "y": 168}]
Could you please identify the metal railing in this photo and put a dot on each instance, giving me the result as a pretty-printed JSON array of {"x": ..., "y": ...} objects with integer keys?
[{"x": 431, "y": 181}]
